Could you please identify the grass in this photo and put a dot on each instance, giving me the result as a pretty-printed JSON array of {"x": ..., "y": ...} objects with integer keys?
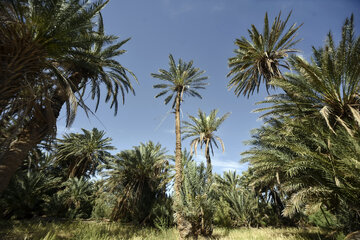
[{"x": 91, "y": 230}]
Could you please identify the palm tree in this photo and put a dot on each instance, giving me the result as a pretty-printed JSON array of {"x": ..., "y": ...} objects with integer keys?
[
  {"x": 260, "y": 58},
  {"x": 82, "y": 153},
  {"x": 180, "y": 80},
  {"x": 327, "y": 88},
  {"x": 202, "y": 129},
  {"x": 27, "y": 193},
  {"x": 78, "y": 196},
  {"x": 139, "y": 178},
  {"x": 197, "y": 198},
  {"x": 309, "y": 145},
  {"x": 53, "y": 52}
]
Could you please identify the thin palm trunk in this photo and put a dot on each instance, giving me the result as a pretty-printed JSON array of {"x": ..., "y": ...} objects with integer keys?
[
  {"x": 178, "y": 165},
  {"x": 182, "y": 224},
  {"x": 208, "y": 161}
]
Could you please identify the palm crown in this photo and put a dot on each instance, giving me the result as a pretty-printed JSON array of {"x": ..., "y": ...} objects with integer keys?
[
  {"x": 83, "y": 153},
  {"x": 327, "y": 87},
  {"x": 203, "y": 128},
  {"x": 181, "y": 79},
  {"x": 260, "y": 58}
]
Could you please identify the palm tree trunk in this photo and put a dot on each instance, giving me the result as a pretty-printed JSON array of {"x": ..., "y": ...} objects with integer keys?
[
  {"x": 178, "y": 164},
  {"x": 184, "y": 226},
  {"x": 208, "y": 161}
]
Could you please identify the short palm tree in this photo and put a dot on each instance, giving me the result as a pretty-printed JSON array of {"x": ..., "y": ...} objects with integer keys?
[
  {"x": 81, "y": 153},
  {"x": 139, "y": 178},
  {"x": 52, "y": 51},
  {"x": 260, "y": 58},
  {"x": 202, "y": 131},
  {"x": 180, "y": 80},
  {"x": 77, "y": 196}
]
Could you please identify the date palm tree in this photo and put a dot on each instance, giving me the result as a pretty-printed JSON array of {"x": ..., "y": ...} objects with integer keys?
[
  {"x": 260, "y": 58},
  {"x": 309, "y": 147},
  {"x": 180, "y": 80},
  {"x": 53, "y": 51},
  {"x": 202, "y": 130},
  {"x": 82, "y": 153},
  {"x": 326, "y": 88},
  {"x": 139, "y": 178}
]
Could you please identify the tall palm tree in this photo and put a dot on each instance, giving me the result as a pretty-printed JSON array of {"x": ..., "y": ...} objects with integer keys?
[
  {"x": 260, "y": 58},
  {"x": 82, "y": 153},
  {"x": 202, "y": 130},
  {"x": 139, "y": 178},
  {"x": 53, "y": 51},
  {"x": 180, "y": 80}
]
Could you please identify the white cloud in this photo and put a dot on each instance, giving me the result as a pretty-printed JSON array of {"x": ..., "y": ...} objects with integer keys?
[{"x": 221, "y": 165}]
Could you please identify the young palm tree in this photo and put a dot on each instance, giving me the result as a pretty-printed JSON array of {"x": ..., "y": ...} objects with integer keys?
[
  {"x": 139, "y": 178},
  {"x": 197, "y": 198},
  {"x": 81, "y": 153},
  {"x": 53, "y": 50},
  {"x": 180, "y": 80},
  {"x": 78, "y": 197},
  {"x": 202, "y": 129},
  {"x": 260, "y": 58}
]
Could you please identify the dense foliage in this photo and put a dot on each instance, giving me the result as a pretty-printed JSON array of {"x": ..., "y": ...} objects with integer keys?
[{"x": 304, "y": 162}]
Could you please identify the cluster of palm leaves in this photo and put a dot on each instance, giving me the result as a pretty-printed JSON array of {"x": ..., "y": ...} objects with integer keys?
[
  {"x": 307, "y": 151},
  {"x": 133, "y": 188},
  {"x": 139, "y": 178},
  {"x": 51, "y": 53}
]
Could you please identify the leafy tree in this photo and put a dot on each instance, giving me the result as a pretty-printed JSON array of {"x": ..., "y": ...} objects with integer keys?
[
  {"x": 202, "y": 129},
  {"x": 260, "y": 58},
  {"x": 180, "y": 80},
  {"x": 138, "y": 177},
  {"x": 82, "y": 153},
  {"x": 54, "y": 50}
]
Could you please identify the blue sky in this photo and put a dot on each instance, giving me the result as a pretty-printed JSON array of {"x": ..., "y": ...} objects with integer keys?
[{"x": 203, "y": 31}]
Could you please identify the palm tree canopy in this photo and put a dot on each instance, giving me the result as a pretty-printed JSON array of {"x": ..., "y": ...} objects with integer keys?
[
  {"x": 54, "y": 50},
  {"x": 327, "y": 87},
  {"x": 202, "y": 130},
  {"x": 139, "y": 178},
  {"x": 181, "y": 78},
  {"x": 83, "y": 152},
  {"x": 260, "y": 58}
]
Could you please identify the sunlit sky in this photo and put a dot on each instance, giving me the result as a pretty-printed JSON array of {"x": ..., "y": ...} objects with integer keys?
[{"x": 203, "y": 31}]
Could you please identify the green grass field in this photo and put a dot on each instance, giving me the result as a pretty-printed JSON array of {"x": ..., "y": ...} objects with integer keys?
[{"x": 88, "y": 230}]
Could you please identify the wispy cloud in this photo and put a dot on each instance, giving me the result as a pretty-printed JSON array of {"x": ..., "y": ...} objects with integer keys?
[
  {"x": 176, "y": 8},
  {"x": 217, "y": 8},
  {"x": 169, "y": 131},
  {"x": 61, "y": 130},
  {"x": 221, "y": 165}
]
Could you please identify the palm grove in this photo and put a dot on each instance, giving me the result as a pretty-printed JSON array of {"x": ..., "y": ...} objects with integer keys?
[{"x": 303, "y": 161}]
